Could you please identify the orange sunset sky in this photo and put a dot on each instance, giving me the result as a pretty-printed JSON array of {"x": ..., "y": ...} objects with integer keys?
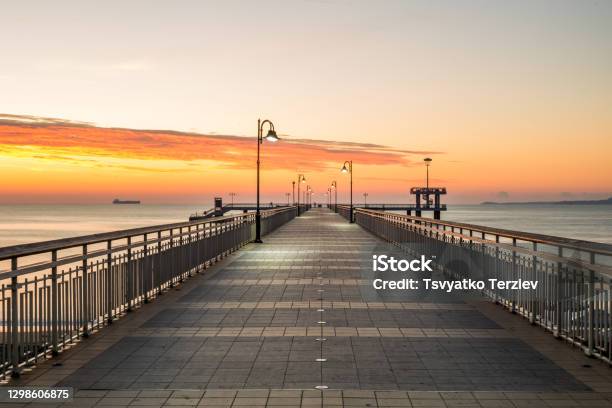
[{"x": 159, "y": 101}]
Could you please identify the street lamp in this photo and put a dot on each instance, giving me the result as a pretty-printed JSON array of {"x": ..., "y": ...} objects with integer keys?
[
  {"x": 301, "y": 179},
  {"x": 288, "y": 195},
  {"x": 293, "y": 189},
  {"x": 271, "y": 136},
  {"x": 427, "y": 161},
  {"x": 365, "y": 199},
  {"x": 349, "y": 170},
  {"x": 334, "y": 185},
  {"x": 233, "y": 195}
]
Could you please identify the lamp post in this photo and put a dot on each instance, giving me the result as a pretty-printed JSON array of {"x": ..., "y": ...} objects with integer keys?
[
  {"x": 301, "y": 179},
  {"x": 288, "y": 195},
  {"x": 427, "y": 161},
  {"x": 232, "y": 195},
  {"x": 270, "y": 137},
  {"x": 293, "y": 189},
  {"x": 349, "y": 170},
  {"x": 365, "y": 199},
  {"x": 334, "y": 185},
  {"x": 329, "y": 200}
]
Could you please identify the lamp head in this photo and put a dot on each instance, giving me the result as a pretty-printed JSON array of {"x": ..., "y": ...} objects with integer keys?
[
  {"x": 344, "y": 169},
  {"x": 272, "y": 136},
  {"x": 427, "y": 160}
]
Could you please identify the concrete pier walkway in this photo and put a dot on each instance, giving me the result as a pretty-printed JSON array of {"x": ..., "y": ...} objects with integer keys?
[{"x": 273, "y": 321}]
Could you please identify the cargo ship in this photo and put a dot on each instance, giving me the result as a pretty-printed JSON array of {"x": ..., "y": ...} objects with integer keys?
[{"x": 118, "y": 201}]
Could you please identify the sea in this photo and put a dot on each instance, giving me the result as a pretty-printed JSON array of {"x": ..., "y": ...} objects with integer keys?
[{"x": 28, "y": 223}]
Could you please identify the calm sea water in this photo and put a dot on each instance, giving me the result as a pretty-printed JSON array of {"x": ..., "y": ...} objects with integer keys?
[
  {"x": 31, "y": 223},
  {"x": 586, "y": 222}
]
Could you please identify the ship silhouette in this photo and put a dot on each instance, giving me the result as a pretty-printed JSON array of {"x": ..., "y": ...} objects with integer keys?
[{"x": 118, "y": 201}]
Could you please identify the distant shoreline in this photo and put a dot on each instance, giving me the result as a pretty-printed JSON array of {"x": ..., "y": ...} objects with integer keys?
[{"x": 607, "y": 201}]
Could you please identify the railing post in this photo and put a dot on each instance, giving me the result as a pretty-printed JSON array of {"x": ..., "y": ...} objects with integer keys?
[
  {"x": 54, "y": 305},
  {"x": 496, "y": 297},
  {"x": 159, "y": 265},
  {"x": 559, "y": 294},
  {"x": 513, "y": 305},
  {"x": 532, "y": 296},
  {"x": 591, "y": 309},
  {"x": 85, "y": 294},
  {"x": 15, "y": 371},
  {"x": 146, "y": 274},
  {"x": 483, "y": 257},
  {"x": 181, "y": 255},
  {"x": 130, "y": 276},
  {"x": 171, "y": 250},
  {"x": 197, "y": 249},
  {"x": 109, "y": 282},
  {"x": 190, "y": 252}
]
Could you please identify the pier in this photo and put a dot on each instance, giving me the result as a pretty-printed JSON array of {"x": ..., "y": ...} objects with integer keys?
[
  {"x": 418, "y": 207},
  {"x": 194, "y": 314}
]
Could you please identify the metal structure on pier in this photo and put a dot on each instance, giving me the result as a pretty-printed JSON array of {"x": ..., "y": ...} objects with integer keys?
[{"x": 429, "y": 204}]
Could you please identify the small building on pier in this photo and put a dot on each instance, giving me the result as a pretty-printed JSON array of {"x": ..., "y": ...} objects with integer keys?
[{"x": 425, "y": 202}]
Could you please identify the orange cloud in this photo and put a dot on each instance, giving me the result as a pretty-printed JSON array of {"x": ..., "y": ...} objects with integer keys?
[{"x": 59, "y": 139}]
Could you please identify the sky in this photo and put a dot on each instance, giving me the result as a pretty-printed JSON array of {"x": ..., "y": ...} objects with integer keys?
[{"x": 159, "y": 100}]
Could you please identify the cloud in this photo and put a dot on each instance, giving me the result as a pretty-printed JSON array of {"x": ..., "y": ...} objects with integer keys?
[
  {"x": 38, "y": 121},
  {"x": 65, "y": 139}
]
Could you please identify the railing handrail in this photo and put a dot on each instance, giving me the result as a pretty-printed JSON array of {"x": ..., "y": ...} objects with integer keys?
[
  {"x": 569, "y": 243},
  {"x": 21, "y": 250}
]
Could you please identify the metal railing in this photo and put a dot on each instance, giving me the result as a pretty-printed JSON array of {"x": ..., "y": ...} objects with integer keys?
[
  {"x": 54, "y": 292},
  {"x": 344, "y": 210},
  {"x": 573, "y": 298},
  {"x": 303, "y": 208}
]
